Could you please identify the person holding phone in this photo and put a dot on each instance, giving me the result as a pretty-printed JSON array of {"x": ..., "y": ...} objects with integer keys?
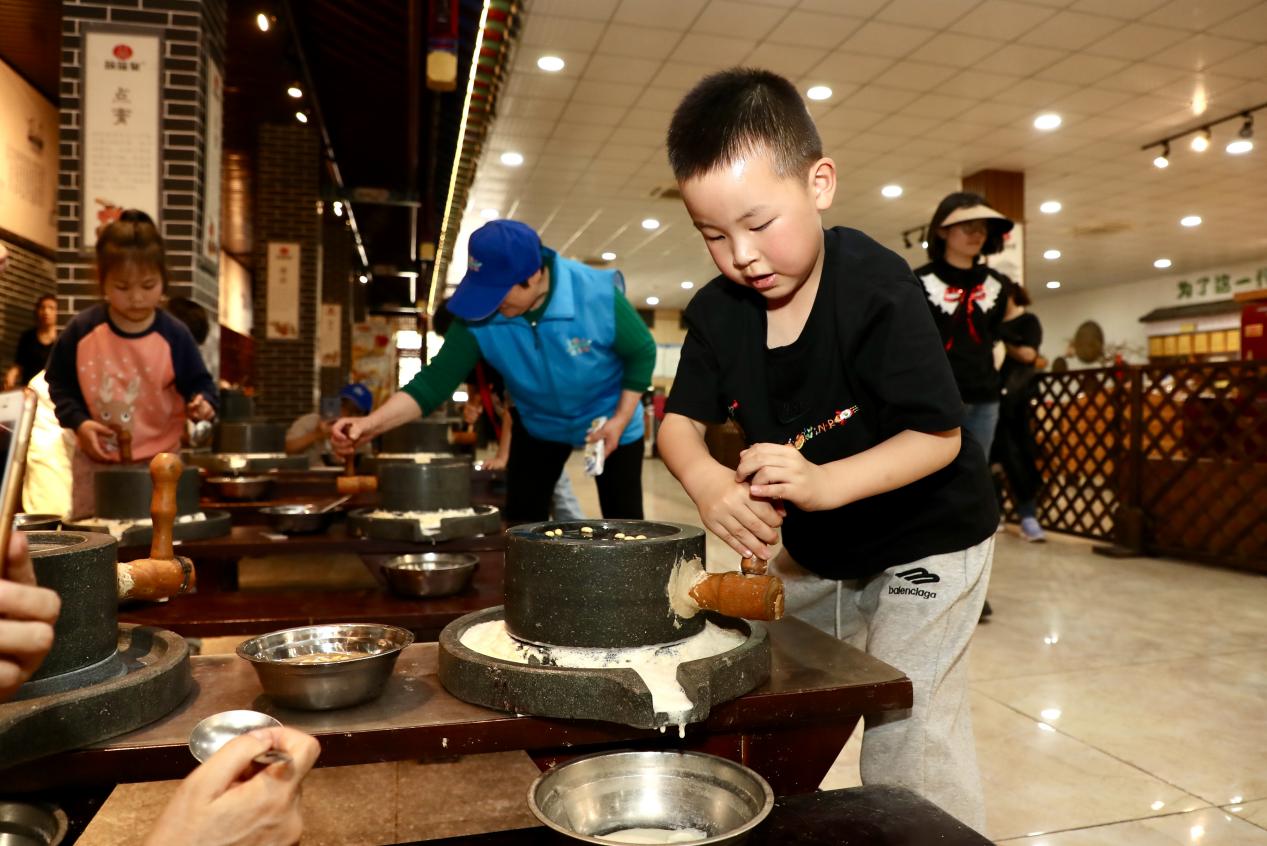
[{"x": 223, "y": 802}]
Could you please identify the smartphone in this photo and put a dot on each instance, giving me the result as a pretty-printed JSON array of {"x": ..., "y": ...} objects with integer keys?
[
  {"x": 17, "y": 414},
  {"x": 330, "y": 408}
]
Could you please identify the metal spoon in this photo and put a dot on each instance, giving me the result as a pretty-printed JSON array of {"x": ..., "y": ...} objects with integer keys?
[
  {"x": 333, "y": 505},
  {"x": 218, "y": 729}
]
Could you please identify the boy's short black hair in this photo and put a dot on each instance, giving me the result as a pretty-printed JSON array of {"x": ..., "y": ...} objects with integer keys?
[
  {"x": 951, "y": 202},
  {"x": 735, "y": 111},
  {"x": 192, "y": 315}
]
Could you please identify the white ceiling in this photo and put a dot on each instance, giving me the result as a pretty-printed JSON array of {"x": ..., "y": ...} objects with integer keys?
[{"x": 925, "y": 91}]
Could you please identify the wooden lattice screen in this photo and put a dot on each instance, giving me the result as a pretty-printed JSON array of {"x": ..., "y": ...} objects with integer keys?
[{"x": 1179, "y": 452}]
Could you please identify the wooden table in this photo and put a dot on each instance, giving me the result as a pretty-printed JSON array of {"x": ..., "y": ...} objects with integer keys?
[
  {"x": 790, "y": 729},
  {"x": 216, "y": 559},
  {"x": 860, "y": 816},
  {"x": 210, "y": 614}
]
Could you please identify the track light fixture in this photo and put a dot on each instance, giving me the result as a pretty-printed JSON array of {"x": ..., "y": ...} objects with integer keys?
[
  {"x": 914, "y": 235},
  {"x": 1201, "y": 136}
]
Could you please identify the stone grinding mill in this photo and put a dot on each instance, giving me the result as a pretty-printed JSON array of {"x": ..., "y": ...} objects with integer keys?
[
  {"x": 616, "y": 621},
  {"x": 101, "y": 678}
]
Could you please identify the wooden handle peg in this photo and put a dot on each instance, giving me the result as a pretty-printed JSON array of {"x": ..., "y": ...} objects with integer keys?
[{"x": 737, "y": 595}]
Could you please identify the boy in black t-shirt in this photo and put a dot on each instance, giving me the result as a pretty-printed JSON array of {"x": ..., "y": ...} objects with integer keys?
[{"x": 818, "y": 343}]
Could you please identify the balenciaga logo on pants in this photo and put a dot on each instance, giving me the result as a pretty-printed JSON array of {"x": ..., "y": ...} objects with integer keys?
[{"x": 916, "y": 576}]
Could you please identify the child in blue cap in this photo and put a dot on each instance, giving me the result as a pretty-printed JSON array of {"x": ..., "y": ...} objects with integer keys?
[
  {"x": 572, "y": 351},
  {"x": 310, "y": 434}
]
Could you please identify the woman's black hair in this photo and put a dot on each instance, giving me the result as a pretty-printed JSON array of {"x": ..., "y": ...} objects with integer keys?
[
  {"x": 1020, "y": 296},
  {"x": 132, "y": 237},
  {"x": 41, "y": 300},
  {"x": 954, "y": 202}
]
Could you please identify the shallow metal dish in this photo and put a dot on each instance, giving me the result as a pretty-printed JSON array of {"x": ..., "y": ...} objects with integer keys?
[
  {"x": 30, "y": 824},
  {"x": 299, "y": 519},
  {"x": 372, "y": 651},
  {"x": 36, "y": 522},
  {"x": 593, "y": 796},
  {"x": 430, "y": 573},
  {"x": 218, "y": 729},
  {"x": 241, "y": 487}
]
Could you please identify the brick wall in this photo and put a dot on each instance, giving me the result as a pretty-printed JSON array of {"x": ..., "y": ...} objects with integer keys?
[
  {"x": 287, "y": 209},
  {"x": 193, "y": 31},
  {"x": 336, "y": 287},
  {"x": 27, "y": 277}
]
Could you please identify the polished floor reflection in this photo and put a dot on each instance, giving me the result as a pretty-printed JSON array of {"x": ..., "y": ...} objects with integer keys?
[{"x": 1115, "y": 702}]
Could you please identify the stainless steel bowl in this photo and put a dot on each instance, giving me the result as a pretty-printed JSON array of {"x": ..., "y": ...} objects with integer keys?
[
  {"x": 340, "y": 683},
  {"x": 29, "y": 824},
  {"x": 430, "y": 573},
  {"x": 593, "y": 797},
  {"x": 36, "y": 523},
  {"x": 241, "y": 487},
  {"x": 299, "y": 519}
]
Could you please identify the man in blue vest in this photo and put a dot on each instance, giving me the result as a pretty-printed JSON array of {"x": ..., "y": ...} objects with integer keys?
[{"x": 571, "y": 349}]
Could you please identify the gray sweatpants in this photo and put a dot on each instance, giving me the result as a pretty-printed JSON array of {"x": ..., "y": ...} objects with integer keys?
[{"x": 918, "y": 617}]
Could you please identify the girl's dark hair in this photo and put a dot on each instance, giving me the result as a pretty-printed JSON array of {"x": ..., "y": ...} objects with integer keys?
[
  {"x": 41, "y": 300},
  {"x": 736, "y": 111},
  {"x": 131, "y": 239},
  {"x": 953, "y": 202},
  {"x": 1020, "y": 296}
]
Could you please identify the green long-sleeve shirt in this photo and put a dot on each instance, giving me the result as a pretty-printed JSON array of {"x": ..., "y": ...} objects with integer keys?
[{"x": 436, "y": 382}]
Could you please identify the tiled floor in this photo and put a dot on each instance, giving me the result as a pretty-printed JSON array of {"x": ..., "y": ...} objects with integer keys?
[{"x": 1115, "y": 702}]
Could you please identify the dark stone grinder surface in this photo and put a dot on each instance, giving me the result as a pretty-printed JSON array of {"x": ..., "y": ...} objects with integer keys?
[
  {"x": 616, "y": 695},
  {"x": 417, "y": 436},
  {"x": 592, "y": 589},
  {"x": 409, "y": 486},
  {"x": 249, "y": 436},
  {"x": 124, "y": 492}
]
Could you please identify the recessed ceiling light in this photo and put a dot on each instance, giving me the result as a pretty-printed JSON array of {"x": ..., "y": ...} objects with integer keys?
[
  {"x": 819, "y": 92},
  {"x": 295, "y": 91},
  {"x": 301, "y": 117},
  {"x": 512, "y": 159},
  {"x": 923, "y": 245},
  {"x": 651, "y": 223},
  {"x": 490, "y": 214},
  {"x": 1162, "y": 263},
  {"x": 891, "y": 191},
  {"x": 263, "y": 22},
  {"x": 1051, "y": 255},
  {"x": 653, "y": 301},
  {"x": 688, "y": 284},
  {"x": 1201, "y": 141},
  {"x": 1047, "y": 122},
  {"x": 1191, "y": 220},
  {"x": 553, "y": 64},
  {"x": 1050, "y": 207},
  {"x": 1053, "y": 284},
  {"x": 609, "y": 256},
  {"x": 363, "y": 278}
]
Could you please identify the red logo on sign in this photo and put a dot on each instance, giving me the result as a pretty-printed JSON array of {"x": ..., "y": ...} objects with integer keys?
[{"x": 122, "y": 51}]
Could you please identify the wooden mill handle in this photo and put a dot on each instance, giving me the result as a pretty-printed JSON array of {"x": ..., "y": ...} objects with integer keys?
[
  {"x": 737, "y": 595},
  {"x": 125, "y": 445},
  {"x": 349, "y": 465},
  {"x": 165, "y": 470}
]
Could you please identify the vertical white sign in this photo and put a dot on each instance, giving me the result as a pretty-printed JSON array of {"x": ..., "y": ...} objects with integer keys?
[
  {"x": 1011, "y": 262},
  {"x": 283, "y": 291},
  {"x": 211, "y": 216},
  {"x": 122, "y": 78},
  {"x": 330, "y": 335},
  {"x": 28, "y": 161}
]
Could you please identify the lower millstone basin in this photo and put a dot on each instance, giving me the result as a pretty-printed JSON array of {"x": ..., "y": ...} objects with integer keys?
[
  {"x": 656, "y": 665},
  {"x": 426, "y": 519},
  {"x": 116, "y": 528},
  {"x": 679, "y": 682}
]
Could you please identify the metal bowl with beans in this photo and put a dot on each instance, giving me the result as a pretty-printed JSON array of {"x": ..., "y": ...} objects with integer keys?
[
  {"x": 430, "y": 574},
  {"x": 320, "y": 668}
]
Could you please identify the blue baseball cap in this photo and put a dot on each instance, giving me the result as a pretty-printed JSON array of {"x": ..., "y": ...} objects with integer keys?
[
  {"x": 500, "y": 255},
  {"x": 359, "y": 395}
]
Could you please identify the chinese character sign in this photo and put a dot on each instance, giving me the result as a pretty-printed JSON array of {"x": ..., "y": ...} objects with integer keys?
[
  {"x": 1219, "y": 285},
  {"x": 283, "y": 291},
  {"x": 121, "y": 143},
  {"x": 211, "y": 234}
]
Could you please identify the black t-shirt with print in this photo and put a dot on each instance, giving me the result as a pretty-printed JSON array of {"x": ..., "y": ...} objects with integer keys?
[
  {"x": 867, "y": 365},
  {"x": 968, "y": 306}
]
